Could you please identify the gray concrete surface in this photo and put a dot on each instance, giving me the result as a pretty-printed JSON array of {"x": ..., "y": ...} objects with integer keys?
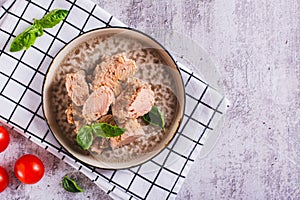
[{"x": 256, "y": 44}]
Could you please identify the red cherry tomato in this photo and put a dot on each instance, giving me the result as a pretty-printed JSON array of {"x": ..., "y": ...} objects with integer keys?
[
  {"x": 4, "y": 139},
  {"x": 29, "y": 169},
  {"x": 3, "y": 179}
]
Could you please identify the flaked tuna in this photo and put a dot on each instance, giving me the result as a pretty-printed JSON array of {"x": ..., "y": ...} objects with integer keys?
[
  {"x": 77, "y": 87},
  {"x": 113, "y": 71},
  {"x": 74, "y": 116},
  {"x": 133, "y": 132},
  {"x": 135, "y": 101},
  {"x": 142, "y": 102},
  {"x": 112, "y": 84},
  {"x": 97, "y": 103}
]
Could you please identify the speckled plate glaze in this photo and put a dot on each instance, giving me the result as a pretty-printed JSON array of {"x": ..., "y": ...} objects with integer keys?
[{"x": 155, "y": 66}]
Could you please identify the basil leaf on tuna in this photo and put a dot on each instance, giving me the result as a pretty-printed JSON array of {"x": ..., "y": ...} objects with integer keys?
[
  {"x": 70, "y": 185},
  {"x": 155, "y": 117},
  {"x": 85, "y": 137},
  {"x": 106, "y": 130}
]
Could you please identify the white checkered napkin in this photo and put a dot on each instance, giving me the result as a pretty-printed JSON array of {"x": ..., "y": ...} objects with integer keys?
[{"x": 21, "y": 78}]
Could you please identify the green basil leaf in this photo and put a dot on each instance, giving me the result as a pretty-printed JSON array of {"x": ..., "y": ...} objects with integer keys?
[
  {"x": 40, "y": 30},
  {"x": 106, "y": 130},
  {"x": 85, "y": 137},
  {"x": 155, "y": 117},
  {"x": 70, "y": 185},
  {"x": 53, "y": 18},
  {"x": 26, "y": 39},
  {"x": 29, "y": 38}
]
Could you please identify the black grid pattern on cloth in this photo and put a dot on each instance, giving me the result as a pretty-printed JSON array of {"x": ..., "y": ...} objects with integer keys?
[{"x": 35, "y": 114}]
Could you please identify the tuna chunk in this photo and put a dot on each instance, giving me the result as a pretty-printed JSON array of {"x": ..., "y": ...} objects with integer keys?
[
  {"x": 119, "y": 66},
  {"x": 133, "y": 131},
  {"x": 135, "y": 101},
  {"x": 112, "y": 71},
  {"x": 74, "y": 116},
  {"x": 142, "y": 102},
  {"x": 97, "y": 103},
  {"x": 77, "y": 87}
]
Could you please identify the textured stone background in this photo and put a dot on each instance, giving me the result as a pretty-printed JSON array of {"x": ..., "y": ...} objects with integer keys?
[{"x": 257, "y": 46}]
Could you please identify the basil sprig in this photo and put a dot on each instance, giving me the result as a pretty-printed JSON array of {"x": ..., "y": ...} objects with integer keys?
[
  {"x": 27, "y": 38},
  {"x": 70, "y": 185},
  {"x": 155, "y": 117},
  {"x": 86, "y": 133}
]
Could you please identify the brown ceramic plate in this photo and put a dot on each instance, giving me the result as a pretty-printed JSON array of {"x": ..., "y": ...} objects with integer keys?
[{"x": 155, "y": 66}]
